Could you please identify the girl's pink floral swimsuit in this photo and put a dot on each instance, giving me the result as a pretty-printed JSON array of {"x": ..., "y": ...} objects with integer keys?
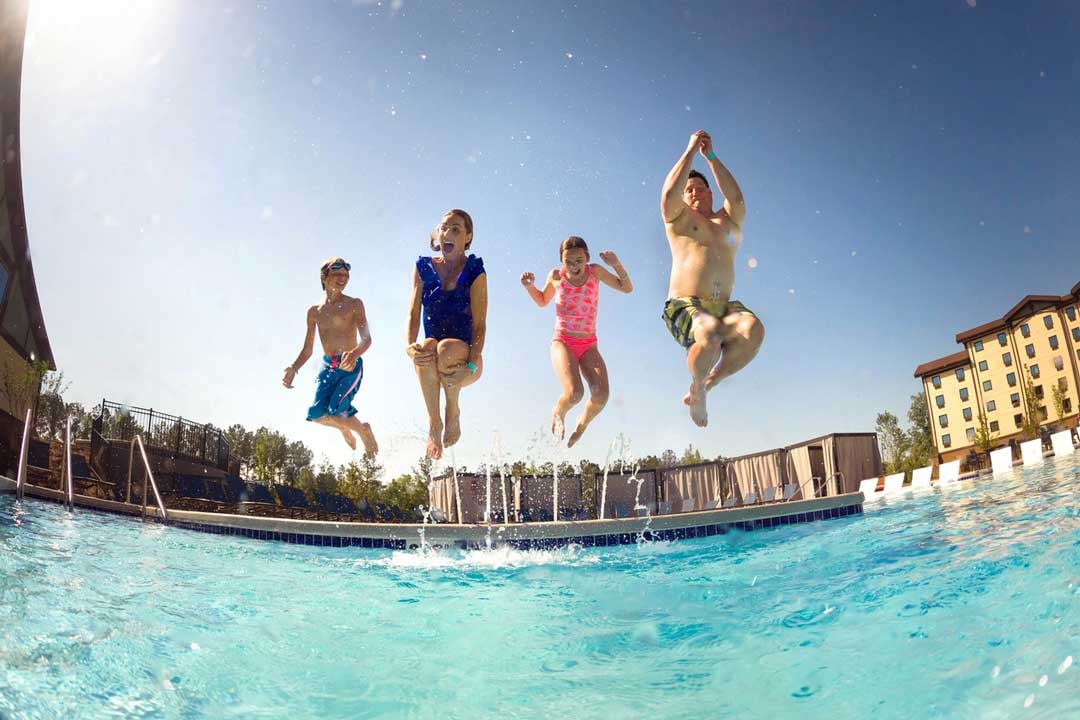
[{"x": 575, "y": 312}]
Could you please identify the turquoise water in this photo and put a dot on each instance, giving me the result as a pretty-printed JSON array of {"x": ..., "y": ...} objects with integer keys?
[{"x": 962, "y": 603}]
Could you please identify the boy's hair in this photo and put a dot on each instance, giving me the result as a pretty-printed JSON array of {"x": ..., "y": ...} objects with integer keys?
[
  {"x": 571, "y": 243},
  {"x": 465, "y": 218},
  {"x": 324, "y": 271},
  {"x": 699, "y": 176}
]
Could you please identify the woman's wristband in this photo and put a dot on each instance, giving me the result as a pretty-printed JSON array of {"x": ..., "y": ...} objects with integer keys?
[{"x": 711, "y": 155}]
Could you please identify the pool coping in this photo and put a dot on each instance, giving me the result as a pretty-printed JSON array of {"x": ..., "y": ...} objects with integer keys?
[{"x": 401, "y": 536}]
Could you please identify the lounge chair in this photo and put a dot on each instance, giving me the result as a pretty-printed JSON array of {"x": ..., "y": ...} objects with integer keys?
[
  {"x": 731, "y": 502},
  {"x": 768, "y": 495},
  {"x": 1062, "y": 442},
  {"x": 1031, "y": 452},
  {"x": 337, "y": 507},
  {"x": 85, "y": 480},
  {"x": 383, "y": 512},
  {"x": 948, "y": 472},
  {"x": 665, "y": 508},
  {"x": 868, "y": 488},
  {"x": 255, "y": 499},
  {"x": 437, "y": 515},
  {"x": 789, "y": 491},
  {"x": 688, "y": 505},
  {"x": 294, "y": 499},
  {"x": 712, "y": 505},
  {"x": 750, "y": 498},
  {"x": 894, "y": 483},
  {"x": 1001, "y": 460},
  {"x": 920, "y": 477}
]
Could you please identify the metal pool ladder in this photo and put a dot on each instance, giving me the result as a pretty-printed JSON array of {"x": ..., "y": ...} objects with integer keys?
[{"x": 148, "y": 477}]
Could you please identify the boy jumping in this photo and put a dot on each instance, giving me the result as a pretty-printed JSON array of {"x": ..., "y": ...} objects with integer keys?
[{"x": 343, "y": 331}]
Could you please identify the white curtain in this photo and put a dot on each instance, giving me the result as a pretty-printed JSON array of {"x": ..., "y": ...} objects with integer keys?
[
  {"x": 799, "y": 470},
  {"x": 755, "y": 473},
  {"x": 828, "y": 447}
]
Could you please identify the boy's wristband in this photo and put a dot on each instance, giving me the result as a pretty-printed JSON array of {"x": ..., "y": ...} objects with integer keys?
[
  {"x": 711, "y": 155},
  {"x": 472, "y": 367}
]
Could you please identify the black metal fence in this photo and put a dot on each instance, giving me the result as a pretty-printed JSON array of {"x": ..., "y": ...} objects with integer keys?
[{"x": 183, "y": 438}]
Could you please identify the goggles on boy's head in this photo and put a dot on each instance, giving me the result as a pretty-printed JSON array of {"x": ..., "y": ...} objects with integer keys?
[{"x": 340, "y": 265}]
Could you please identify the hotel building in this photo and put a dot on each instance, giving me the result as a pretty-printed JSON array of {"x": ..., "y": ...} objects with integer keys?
[{"x": 1036, "y": 344}]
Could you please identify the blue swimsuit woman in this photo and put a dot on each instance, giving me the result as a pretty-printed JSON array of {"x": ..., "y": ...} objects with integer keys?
[{"x": 450, "y": 293}]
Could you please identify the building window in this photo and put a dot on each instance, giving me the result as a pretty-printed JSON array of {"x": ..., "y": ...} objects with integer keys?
[
  {"x": 1048, "y": 321},
  {"x": 940, "y": 401},
  {"x": 1035, "y": 371},
  {"x": 1066, "y": 405},
  {"x": 987, "y": 385},
  {"x": 1059, "y": 364},
  {"x": 1015, "y": 399},
  {"x": 1011, "y": 379},
  {"x": 967, "y": 414},
  {"x": 1002, "y": 340},
  {"x": 946, "y": 440},
  {"x": 1007, "y": 359},
  {"x": 960, "y": 374},
  {"x": 963, "y": 394},
  {"x": 1030, "y": 350},
  {"x": 1070, "y": 312},
  {"x": 1063, "y": 383},
  {"x": 1042, "y": 412},
  {"x": 994, "y": 427},
  {"x": 1076, "y": 334},
  {"x": 936, "y": 382},
  {"x": 991, "y": 406},
  {"x": 983, "y": 366},
  {"x": 978, "y": 346},
  {"x": 1039, "y": 392},
  {"x": 970, "y": 434},
  {"x": 1025, "y": 330},
  {"x": 1053, "y": 342},
  {"x": 1018, "y": 419},
  {"x": 943, "y": 421}
]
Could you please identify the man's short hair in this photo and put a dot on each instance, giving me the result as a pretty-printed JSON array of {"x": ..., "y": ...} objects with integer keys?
[{"x": 699, "y": 176}]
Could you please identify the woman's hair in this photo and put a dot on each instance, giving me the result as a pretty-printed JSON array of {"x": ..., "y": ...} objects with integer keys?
[
  {"x": 465, "y": 218},
  {"x": 571, "y": 243}
]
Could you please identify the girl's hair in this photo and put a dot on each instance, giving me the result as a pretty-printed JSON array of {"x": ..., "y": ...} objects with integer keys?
[
  {"x": 465, "y": 218},
  {"x": 571, "y": 243}
]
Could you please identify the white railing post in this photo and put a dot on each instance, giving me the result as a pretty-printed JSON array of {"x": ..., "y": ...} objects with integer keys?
[
  {"x": 67, "y": 459},
  {"x": 23, "y": 450}
]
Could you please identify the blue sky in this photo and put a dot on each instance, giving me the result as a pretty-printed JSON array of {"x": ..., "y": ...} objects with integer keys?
[{"x": 910, "y": 171}]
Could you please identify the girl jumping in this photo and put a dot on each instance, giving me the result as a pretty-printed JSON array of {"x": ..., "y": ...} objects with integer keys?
[{"x": 574, "y": 354}]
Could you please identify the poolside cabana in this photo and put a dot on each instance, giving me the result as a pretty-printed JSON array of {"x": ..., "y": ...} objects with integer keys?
[
  {"x": 622, "y": 493},
  {"x": 833, "y": 464},
  {"x": 701, "y": 483},
  {"x": 756, "y": 473}
]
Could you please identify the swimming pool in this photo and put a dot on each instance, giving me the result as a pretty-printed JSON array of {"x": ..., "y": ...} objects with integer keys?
[{"x": 962, "y": 603}]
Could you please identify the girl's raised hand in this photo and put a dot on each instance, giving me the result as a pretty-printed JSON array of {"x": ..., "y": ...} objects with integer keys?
[
  {"x": 609, "y": 257},
  {"x": 528, "y": 279}
]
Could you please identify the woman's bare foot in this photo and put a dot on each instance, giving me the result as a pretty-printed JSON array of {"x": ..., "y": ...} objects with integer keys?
[
  {"x": 453, "y": 427},
  {"x": 576, "y": 435},
  {"x": 695, "y": 399},
  {"x": 434, "y": 442},
  {"x": 371, "y": 447}
]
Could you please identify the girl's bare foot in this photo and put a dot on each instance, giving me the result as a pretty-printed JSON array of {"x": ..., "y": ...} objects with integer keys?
[
  {"x": 434, "y": 442},
  {"x": 371, "y": 448},
  {"x": 453, "y": 427},
  {"x": 576, "y": 435},
  {"x": 558, "y": 425}
]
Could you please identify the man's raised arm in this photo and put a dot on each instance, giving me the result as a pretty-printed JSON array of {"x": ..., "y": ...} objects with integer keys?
[
  {"x": 671, "y": 202},
  {"x": 734, "y": 205}
]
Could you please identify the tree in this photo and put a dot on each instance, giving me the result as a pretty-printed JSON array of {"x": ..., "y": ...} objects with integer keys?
[
  {"x": 20, "y": 384},
  {"x": 983, "y": 439},
  {"x": 691, "y": 456},
  {"x": 1059, "y": 400},
  {"x": 892, "y": 438},
  {"x": 1030, "y": 426},
  {"x": 669, "y": 459},
  {"x": 52, "y": 412},
  {"x": 650, "y": 462},
  {"x": 270, "y": 450},
  {"x": 359, "y": 480},
  {"x": 408, "y": 492},
  {"x": 920, "y": 449}
]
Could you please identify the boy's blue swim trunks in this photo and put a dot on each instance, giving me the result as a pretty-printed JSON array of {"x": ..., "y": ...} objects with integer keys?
[{"x": 336, "y": 388}]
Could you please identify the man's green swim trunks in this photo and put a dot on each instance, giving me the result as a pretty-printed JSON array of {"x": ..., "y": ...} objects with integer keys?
[{"x": 679, "y": 315}]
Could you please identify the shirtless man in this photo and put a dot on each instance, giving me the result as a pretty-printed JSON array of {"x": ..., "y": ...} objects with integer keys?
[
  {"x": 720, "y": 334},
  {"x": 343, "y": 331}
]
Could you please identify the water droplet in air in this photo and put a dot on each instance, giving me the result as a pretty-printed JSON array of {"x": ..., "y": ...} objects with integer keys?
[
  {"x": 996, "y": 671},
  {"x": 751, "y": 263},
  {"x": 687, "y": 108},
  {"x": 569, "y": 56},
  {"x": 1065, "y": 664},
  {"x": 423, "y": 56},
  {"x": 1043, "y": 680},
  {"x": 854, "y": 253},
  {"x": 791, "y": 291},
  {"x": 1029, "y": 700}
]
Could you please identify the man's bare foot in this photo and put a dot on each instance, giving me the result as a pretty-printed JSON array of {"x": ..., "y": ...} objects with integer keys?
[
  {"x": 371, "y": 447},
  {"x": 576, "y": 435},
  {"x": 695, "y": 399},
  {"x": 453, "y": 428},
  {"x": 434, "y": 442},
  {"x": 349, "y": 437},
  {"x": 558, "y": 425}
]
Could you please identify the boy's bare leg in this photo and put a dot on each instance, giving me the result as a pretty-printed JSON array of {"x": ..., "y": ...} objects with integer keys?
[
  {"x": 567, "y": 370},
  {"x": 453, "y": 354},
  {"x": 594, "y": 370},
  {"x": 335, "y": 422},
  {"x": 429, "y": 386},
  {"x": 362, "y": 429},
  {"x": 744, "y": 338},
  {"x": 701, "y": 358}
]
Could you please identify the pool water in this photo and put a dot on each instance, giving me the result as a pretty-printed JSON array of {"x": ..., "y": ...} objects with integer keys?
[{"x": 962, "y": 603}]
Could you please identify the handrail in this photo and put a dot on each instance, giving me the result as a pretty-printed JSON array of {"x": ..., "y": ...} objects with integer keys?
[
  {"x": 842, "y": 481},
  {"x": 67, "y": 459},
  {"x": 23, "y": 449},
  {"x": 149, "y": 477}
]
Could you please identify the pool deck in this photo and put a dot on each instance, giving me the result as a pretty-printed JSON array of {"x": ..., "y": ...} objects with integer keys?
[{"x": 401, "y": 536}]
